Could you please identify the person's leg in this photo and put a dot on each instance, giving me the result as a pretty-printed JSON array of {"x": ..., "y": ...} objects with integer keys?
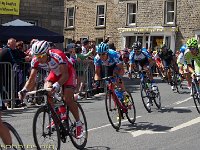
[
  {"x": 4, "y": 133},
  {"x": 69, "y": 100}
]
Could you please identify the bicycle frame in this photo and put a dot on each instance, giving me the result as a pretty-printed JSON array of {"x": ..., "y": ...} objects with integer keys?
[
  {"x": 110, "y": 87},
  {"x": 57, "y": 120}
]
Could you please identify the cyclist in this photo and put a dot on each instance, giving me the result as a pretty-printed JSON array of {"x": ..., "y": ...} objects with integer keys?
[
  {"x": 114, "y": 67},
  {"x": 168, "y": 59},
  {"x": 143, "y": 59},
  {"x": 62, "y": 74},
  {"x": 4, "y": 132},
  {"x": 125, "y": 56},
  {"x": 183, "y": 66},
  {"x": 193, "y": 53}
]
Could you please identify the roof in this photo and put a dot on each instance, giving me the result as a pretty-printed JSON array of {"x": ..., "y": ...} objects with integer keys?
[
  {"x": 27, "y": 33},
  {"x": 17, "y": 22}
]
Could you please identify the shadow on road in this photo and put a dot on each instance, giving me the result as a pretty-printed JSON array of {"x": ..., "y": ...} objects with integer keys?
[
  {"x": 171, "y": 109},
  {"x": 97, "y": 148},
  {"x": 146, "y": 126},
  {"x": 14, "y": 112}
]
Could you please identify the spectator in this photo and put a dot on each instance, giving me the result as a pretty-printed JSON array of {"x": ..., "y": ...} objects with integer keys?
[
  {"x": 11, "y": 54},
  {"x": 80, "y": 67},
  {"x": 112, "y": 46},
  {"x": 70, "y": 48},
  {"x": 85, "y": 46}
]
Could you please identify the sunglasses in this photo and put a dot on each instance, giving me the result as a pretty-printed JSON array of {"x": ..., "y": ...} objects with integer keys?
[
  {"x": 102, "y": 54},
  {"x": 192, "y": 49},
  {"x": 137, "y": 50},
  {"x": 40, "y": 56}
]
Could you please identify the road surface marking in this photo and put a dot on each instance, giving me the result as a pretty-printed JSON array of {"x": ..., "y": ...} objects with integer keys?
[
  {"x": 181, "y": 126},
  {"x": 179, "y": 102},
  {"x": 109, "y": 125}
]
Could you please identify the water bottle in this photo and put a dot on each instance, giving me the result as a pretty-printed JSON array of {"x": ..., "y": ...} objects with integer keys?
[{"x": 62, "y": 110}]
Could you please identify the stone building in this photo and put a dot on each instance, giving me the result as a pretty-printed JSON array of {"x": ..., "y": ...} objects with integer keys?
[
  {"x": 44, "y": 13},
  {"x": 153, "y": 22}
]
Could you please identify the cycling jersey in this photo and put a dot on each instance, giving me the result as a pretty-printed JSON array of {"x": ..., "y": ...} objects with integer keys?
[
  {"x": 56, "y": 57},
  {"x": 166, "y": 56},
  {"x": 142, "y": 58},
  {"x": 189, "y": 57},
  {"x": 113, "y": 58}
]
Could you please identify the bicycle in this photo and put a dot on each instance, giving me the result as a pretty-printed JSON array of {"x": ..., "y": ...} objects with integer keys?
[
  {"x": 118, "y": 108},
  {"x": 196, "y": 93},
  {"x": 175, "y": 77},
  {"x": 62, "y": 129},
  {"x": 16, "y": 140},
  {"x": 147, "y": 92}
]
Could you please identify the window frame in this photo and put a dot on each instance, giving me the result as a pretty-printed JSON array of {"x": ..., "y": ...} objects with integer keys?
[
  {"x": 166, "y": 12},
  {"x": 98, "y": 38},
  {"x": 101, "y": 15},
  {"x": 68, "y": 18},
  {"x": 128, "y": 14}
]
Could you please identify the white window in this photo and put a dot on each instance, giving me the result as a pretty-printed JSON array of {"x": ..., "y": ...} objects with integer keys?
[
  {"x": 100, "y": 19},
  {"x": 169, "y": 12},
  {"x": 35, "y": 23},
  {"x": 131, "y": 13},
  {"x": 70, "y": 17},
  {"x": 98, "y": 40}
]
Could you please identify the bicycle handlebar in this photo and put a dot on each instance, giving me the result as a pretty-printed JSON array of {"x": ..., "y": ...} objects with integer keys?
[{"x": 39, "y": 91}]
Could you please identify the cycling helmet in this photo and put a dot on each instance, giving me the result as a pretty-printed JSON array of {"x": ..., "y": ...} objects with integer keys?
[
  {"x": 137, "y": 45},
  {"x": 183, "y": 48},
  {"x": 40, "y": 47},
  {"x": 163, "y": 46},
  {"x": 102, "y": 48},
  {"x": 192, "y": 43}
]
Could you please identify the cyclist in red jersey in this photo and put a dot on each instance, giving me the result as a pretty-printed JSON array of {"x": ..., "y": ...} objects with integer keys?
[{"x": 62, "y": 74}]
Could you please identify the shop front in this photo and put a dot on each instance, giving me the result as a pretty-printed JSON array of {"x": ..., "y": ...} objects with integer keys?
[{"x": 150, "y": 37}]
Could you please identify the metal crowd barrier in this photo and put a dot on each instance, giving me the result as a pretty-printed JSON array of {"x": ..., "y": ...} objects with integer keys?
[{"x": 13, "y": 78}]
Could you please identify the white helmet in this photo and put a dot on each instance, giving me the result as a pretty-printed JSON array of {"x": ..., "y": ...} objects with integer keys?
[{"x": 40, "y": 47}]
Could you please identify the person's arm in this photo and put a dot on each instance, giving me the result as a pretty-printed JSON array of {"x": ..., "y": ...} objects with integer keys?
[
  {"x": 84, "y": 56},
  {"x": 188, "y": 60}
]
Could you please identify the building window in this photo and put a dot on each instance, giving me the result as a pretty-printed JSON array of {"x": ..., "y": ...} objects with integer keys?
[
  {"x": 131, "y": 13},
  {"x": 98, "y": 40},
  {"x": 100, "y": 19},
  {"x": 35, "y": 23},
  {"x": 70, "y": 17},
  {"x": 169, "y": 12}
]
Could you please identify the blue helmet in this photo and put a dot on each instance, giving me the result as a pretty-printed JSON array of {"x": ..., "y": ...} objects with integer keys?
[
  {"x": 183, "y": 48},
  {"x": 102, "y": 48}
]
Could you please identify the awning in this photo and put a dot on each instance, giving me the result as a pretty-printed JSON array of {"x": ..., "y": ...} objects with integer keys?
[
  {"x": 148, "y": 29},
  {"x": 27, "y": 33},
  {"x": 17, "y": 22}
]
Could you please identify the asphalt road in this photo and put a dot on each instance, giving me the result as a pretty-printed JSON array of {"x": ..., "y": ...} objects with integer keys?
[{"x": 174, "y": 127}]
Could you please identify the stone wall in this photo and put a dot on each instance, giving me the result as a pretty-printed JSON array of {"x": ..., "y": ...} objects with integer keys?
[
  {"x": 47, "y": 13},
  {"x": 150, "y": 13}
]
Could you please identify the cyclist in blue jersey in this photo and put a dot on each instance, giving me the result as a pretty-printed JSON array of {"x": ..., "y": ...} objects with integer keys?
[
  {"x": 113, "y": 65},
  {"x": 143, "y": 59}
]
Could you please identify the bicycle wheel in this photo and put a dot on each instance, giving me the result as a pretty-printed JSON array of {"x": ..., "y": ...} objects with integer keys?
[
  {"x": 157, "y": 98},
  {"x": 16, "y": 140},
  {"x": 196, "y": 97},
  {"x": 145, "y": 97},
  {"x": 131, "y": 113},
  {"x": 79, "y": 143},
  {"x": 42, "y": 134},
  {"x": 175, "y": 80},
  {"x": 113, "y": 111}
]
